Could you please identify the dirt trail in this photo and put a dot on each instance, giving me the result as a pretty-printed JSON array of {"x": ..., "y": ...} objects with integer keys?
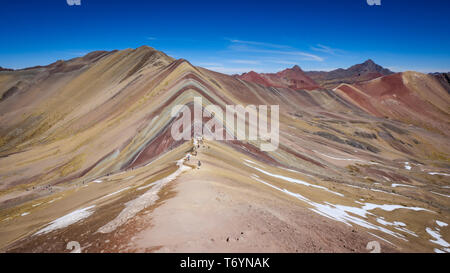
[{"x": 212, "y": 213}]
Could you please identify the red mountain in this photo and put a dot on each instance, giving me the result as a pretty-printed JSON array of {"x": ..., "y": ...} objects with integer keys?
[
  {"x": 294, "y": 78},
  {"x": 410, "y": 97}
]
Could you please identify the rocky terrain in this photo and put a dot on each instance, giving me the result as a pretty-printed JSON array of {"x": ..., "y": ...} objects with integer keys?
[{"x": 86, "y": 155}]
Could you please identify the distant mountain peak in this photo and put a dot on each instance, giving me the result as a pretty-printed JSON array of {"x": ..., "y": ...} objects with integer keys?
[
  {"x": 296, "y": 68},
  {"x": 251, "y": 72},
  {"x": 365, "y": 71},
  {"x": 370, "y": 66},
  {"x": 293, "y": 78},
  {"x": 5, "y": 69}
]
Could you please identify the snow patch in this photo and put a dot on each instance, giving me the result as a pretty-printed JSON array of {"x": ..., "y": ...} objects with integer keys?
[
  {"x": 436, "y": 173},
  {"x": 437, "y": 238},
  {"x": 407, "y": 166},
  {"x": 67, "y": 220},
  {"x": 440, "y": 194},
  {"x": 147, "y": 199},
  {"x": 354, "y": 215},
  {"x": 114, "y": 193},
  {"x": 293, "y": 180},
  {"x": 394, "y": 185}
]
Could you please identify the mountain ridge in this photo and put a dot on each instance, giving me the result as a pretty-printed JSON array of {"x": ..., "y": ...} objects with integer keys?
[
  {"x": 294, "y": 78},
  {"x": 297, "y": 79},
  {"x": 94, "y": 135},
  {"x": 365, "y": 71}
]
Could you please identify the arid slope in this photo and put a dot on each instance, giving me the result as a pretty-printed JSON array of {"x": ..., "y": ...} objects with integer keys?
[{"x": 86, "y": 155}]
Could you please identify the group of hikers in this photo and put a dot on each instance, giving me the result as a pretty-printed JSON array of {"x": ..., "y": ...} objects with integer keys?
[{"x": 196, "y": 141}]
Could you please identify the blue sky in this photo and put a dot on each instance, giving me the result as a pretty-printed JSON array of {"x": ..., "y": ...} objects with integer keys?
[{"x": 233, "y": 36}]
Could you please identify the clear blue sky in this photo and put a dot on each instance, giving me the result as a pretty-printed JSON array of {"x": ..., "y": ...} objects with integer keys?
[{"x": 233, "y": 36}]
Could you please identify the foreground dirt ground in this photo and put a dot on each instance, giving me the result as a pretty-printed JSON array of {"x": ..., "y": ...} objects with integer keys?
[{"x": 216, "y": 207}]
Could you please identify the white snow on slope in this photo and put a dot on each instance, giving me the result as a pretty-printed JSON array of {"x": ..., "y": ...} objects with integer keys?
[
  {"x": 67, "y": 220},
  {"x": 354, "y": 214},
  {"x": 293, "y": 180},
  {"x": 147, "y": 199}
]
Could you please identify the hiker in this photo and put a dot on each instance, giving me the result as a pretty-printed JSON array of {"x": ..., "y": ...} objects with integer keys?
[{"x": 199, "y": 164}]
